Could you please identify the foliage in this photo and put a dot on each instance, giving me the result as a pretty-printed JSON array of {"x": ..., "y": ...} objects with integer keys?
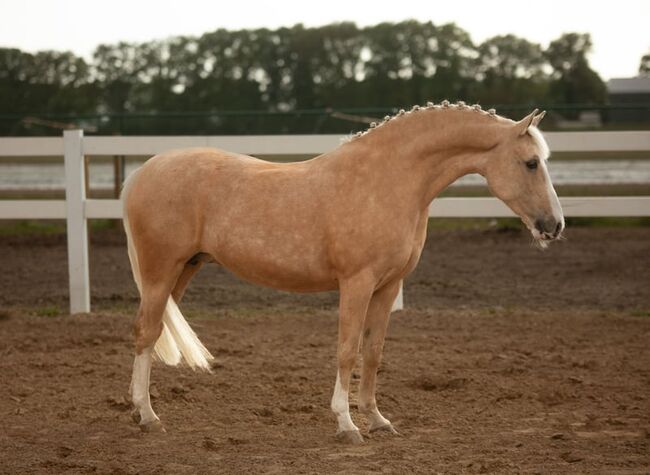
[
  {"x": 334, "y": 66},
  {"x": 574, "y": 82},
  {"x": 644, "y": 65}
]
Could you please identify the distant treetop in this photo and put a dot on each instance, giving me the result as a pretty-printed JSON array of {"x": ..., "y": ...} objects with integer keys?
[{"x": 338, "y": 65}]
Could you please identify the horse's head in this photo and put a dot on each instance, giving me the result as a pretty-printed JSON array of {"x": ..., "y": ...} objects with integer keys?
[{"x": 516, "y": 173}]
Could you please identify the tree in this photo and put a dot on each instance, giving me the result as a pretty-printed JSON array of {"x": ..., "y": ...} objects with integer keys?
[
  {"x": 44, "y": 82},
  {"x": 511, "y": 70},
  {"x": 389, "y": 65},
  {"x": 644, "y": 65},
  {"x": 574, "y": 82},
  {"x": 119, "y": 68}
]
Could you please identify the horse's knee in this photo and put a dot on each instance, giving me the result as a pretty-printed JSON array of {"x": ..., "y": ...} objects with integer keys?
[{"x": 372, "y": 354}]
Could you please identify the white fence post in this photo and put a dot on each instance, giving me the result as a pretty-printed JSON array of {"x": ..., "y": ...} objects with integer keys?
[
  {"x": 75, "y": 197},
  {"x": 398, "y": 304}
]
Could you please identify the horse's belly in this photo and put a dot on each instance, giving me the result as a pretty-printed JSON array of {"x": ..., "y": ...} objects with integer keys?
[
  {"x": 292, "y": 271},
  {"x": 284, "y": 279}
]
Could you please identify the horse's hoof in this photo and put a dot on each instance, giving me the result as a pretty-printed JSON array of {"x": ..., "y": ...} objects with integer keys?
[
  {"x": 385, "y": 428},
  {"x": 154, "y": 427},
  {"x": 350, "y": 437}
]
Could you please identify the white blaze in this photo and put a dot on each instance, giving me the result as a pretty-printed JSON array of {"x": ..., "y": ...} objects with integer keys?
[{"x": 544, "y": 154}]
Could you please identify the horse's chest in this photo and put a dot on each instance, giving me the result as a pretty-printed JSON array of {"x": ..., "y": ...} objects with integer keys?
[
  {"x": 416, "y": 252},
  {"x": 412, "y": 249}
]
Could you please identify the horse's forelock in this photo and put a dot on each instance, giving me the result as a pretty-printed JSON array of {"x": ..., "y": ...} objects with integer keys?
[{"x": 540, "y": 142}]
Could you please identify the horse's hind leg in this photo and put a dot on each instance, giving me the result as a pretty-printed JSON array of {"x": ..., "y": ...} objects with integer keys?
[
  {"x": 188, "y": 272},
  {"x": 143, "y": 413},
  {"x": 155, "y": 290},
  {"x": 375, "y": 327},
  {"x": 191, "y": 268}
]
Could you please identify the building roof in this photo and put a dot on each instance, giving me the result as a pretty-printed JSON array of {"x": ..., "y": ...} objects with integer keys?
[{"x": 629, "y": 85}]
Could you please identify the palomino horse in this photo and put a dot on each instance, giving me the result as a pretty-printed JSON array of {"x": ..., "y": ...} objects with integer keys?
[{"x": 353, "y": 219}]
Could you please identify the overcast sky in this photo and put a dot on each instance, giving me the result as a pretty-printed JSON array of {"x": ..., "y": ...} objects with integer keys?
[{"x": 620, "y": 30}]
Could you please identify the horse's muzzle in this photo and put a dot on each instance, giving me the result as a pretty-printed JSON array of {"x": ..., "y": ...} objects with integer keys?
[{"x": 549, "y": 228}]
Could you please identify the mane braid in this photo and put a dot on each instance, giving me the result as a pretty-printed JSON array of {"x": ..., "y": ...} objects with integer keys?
[{"x": 460, "y": 105}]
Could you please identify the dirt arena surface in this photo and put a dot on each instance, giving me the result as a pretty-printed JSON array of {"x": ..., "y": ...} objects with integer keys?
[{"x": 507, "y": 360}]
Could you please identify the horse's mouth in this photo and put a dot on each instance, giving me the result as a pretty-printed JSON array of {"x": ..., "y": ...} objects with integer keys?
[{"x": 541, "y": 239}]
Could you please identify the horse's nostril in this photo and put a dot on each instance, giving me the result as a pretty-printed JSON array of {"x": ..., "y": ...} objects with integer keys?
[{"x": 549, "y": 227}]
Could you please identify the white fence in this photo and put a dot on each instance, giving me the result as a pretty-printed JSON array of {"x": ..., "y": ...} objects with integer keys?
[{"x": 76, "y": 209}]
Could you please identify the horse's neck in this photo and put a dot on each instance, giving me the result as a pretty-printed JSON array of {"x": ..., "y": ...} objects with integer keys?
[{"x": 424, "y": 152}]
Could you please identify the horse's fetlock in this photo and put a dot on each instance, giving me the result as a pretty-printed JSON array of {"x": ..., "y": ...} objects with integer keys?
[
  {"x": 366, "y": 407},
  {"x": 138, "y": 400}
]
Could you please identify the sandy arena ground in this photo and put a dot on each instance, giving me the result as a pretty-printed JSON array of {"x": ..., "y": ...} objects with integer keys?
[{"x": 507, "y": 360}]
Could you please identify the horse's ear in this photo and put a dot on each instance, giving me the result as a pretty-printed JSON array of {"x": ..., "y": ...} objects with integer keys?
[
  {"x": 538, "y": 118},
  {"x": 523, "y": 124}
]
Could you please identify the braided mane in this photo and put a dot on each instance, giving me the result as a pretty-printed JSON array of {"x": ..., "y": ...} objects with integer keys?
[{"x": 430, "y": 105}]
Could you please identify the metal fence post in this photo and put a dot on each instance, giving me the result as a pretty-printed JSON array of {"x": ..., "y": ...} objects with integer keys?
[
  {"x": 398, "y": 304},
  {"x": 75, "y": 199}
]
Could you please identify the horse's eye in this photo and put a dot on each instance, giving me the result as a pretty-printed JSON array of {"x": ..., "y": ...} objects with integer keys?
[{"x": 532, "y": 164}]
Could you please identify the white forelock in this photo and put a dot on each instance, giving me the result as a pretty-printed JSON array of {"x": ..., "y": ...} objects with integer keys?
[{"x": 544, "y": 151}]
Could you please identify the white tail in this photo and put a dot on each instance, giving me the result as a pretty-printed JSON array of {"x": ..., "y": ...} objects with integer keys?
[{"x": 177, "y": 340}]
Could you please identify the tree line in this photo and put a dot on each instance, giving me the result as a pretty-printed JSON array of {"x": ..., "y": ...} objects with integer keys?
[{"x": 338, "y": 66}]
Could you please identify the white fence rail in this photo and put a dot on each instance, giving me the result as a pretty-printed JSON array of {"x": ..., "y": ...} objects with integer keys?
[{"x": 77, "y": 209}]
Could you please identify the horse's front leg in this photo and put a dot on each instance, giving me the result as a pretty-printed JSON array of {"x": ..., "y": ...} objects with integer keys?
[
  {"x": 355, "y": 294},
  {"x": 376, "y": 324}
]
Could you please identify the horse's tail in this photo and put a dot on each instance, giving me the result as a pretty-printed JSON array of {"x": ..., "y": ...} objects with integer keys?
[{"x": 177, "y": 340}]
